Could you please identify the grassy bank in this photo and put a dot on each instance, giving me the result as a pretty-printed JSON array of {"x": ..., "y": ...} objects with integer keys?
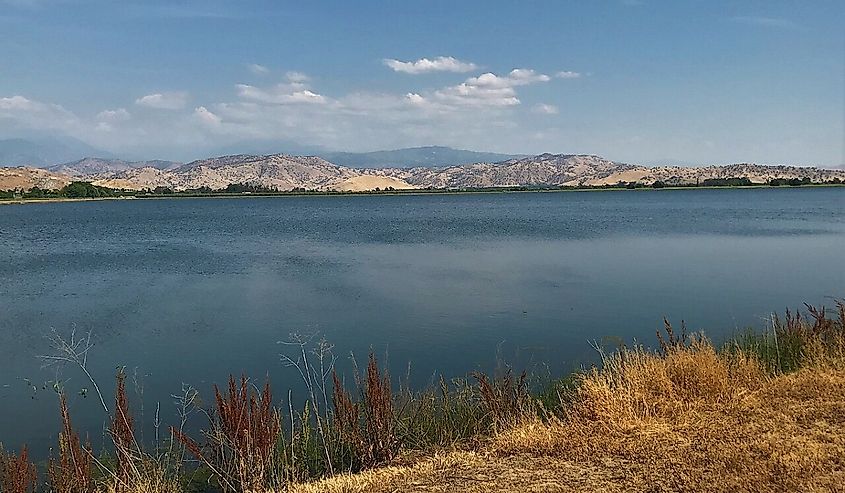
[{"x": 763, "y": 412}]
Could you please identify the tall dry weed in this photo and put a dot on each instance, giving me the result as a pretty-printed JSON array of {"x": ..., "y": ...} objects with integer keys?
[
  {"x": 506, "y": 400},
  {"x": 17, "y": 473},
  {"x": 122, "y": 431},
  {"x": 368, "y": 427},
  {"x": 73, "y": 471},
  {"x": 241, "y": 440}
]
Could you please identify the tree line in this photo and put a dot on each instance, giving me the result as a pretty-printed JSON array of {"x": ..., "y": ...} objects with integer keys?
[{"x": 83, "y": 189}]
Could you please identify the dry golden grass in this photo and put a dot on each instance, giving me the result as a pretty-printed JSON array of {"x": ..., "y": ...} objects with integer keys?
[
  {"x": 156, "y": 483},
  {"x": 692, "y": 420}
]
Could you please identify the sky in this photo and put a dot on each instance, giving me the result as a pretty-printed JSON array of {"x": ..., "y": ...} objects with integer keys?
[{"x": 639, "y": 81}]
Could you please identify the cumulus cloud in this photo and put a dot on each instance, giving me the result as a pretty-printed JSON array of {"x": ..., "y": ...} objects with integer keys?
[
  {"x": 206, "y": 117},
  {"x": 281, "y": 94},
  {"x": 489, "y": 89},
  {"x": 292, "y": 110},
  {"x": 27, "y": 113},
  {"x": 107, "y": 119},
  {"x": 294, "y": 91},
  {"x": 423, "y": 65},
  {"x": 15, "y": 103},
  {"x": 296, "y": 77},
  {"x": 116, "y": 115},
  {"x": 164, "y": 101},
  {"x": 414, "y": 98},
  {"x": 258, "y": 69},
  {"x": 568, "y": 74},
  {"x": 523, "y": 76},
  {"x": 545, "y": 109}
]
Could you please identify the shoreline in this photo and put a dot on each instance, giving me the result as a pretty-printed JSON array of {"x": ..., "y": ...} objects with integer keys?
[
  {"x": 571, "y": 430},
  {"x": 410, "y": 192}
]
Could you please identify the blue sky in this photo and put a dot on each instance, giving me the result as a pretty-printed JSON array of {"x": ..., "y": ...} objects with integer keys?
[{"x": 634, "y": 80}]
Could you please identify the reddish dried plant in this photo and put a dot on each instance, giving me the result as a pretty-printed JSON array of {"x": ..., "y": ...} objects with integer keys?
[
  {"x": 346, "y": 415},
  {"x": 368, "y": 427},
  {"x": 506, "y": 400},
  {"x": 380, "y": 419},
  {"x": 72, "y": 472},
  {"x": 122, "y": 430},
  {"x": 17, "y": 473},
  {"x": 242, "y": 438}
]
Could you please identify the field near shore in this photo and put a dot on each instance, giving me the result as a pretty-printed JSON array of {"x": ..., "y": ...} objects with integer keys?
[{"x": 729, "y": 428}]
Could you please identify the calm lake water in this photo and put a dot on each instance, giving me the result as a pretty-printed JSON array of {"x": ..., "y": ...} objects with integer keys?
[{"x": 190, "y": 290}]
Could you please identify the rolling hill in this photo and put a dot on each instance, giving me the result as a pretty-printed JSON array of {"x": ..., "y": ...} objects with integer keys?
[{"x": 286, "y": 172}]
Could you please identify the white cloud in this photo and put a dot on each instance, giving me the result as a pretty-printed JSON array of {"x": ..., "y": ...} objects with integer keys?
[
  {"x": 107, "y": 119},
  {"x": 257, "y": 69},
  {"x": 164, "y": 101},
  {"x": 423, "y": 65},
  {"x": 568, "y": 74},
  {"x": 116, "y": 115},
  {"x": 15, "y": 103},
  {"x": 293, "y": 93},
  {"x": 27, "y": 113},
  {"x": 306, "y": 96},
  {"x": 523, "y": 76},
  {"x": 296, "y": 77},
  {"x": 489, "y": 89},
  {"x": 414, "y": 98},
  {"x": 545, "y": 109},
  {"x": 474, "y": 95},
  {"x": 206, "y": 117},
  {"x": 474, "y": 111}
]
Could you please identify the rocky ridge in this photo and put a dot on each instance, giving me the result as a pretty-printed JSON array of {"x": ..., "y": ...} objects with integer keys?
[{"x": 91, "y": 166}]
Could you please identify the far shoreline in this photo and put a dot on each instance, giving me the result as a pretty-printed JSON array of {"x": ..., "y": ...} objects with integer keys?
[{"x": 408, "y": 192}]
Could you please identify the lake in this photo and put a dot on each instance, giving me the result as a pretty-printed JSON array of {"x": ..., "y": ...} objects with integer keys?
[{"x": 191, "y": 290}]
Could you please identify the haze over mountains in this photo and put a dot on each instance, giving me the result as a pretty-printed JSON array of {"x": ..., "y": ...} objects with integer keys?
[
  {"x": 430, "y": 156},
  {"x": 45, "y": 151},
  {"x": 91, "y": 166},
  {"x": 285, "y": 172},
  {"x": 52, "y": 152}
]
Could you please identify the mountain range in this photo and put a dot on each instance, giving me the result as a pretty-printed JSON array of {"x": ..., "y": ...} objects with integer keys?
[
  {"x": 91, "y": 166},
  {"x": 55, "y": 152},
  {"x": 287, "y": 172},
  {"x": 45, "y": 151},
  {"x": 430, "y": 156}
]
